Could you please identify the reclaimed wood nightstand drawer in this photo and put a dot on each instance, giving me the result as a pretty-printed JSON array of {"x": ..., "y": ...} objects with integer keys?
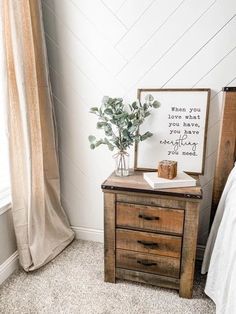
[
  {"x": 167, "y": 220},
  {"x": 145, "y": 242},
  {"x": 149, "y": 200},
  {"x": 149, "y": 263}
]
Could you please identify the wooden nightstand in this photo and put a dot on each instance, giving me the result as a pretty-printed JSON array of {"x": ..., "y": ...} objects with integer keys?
[{"x": 150, "y": 235}]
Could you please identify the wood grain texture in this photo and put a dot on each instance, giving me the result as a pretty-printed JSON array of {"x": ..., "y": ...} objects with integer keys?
[
  {"x": 109, "y": 237},
  {"x": 150, "y": 263},
  {"x": 189, "y": 249},
  {"x": 151, "y": 200},
  {"x": 167, "y": 169},
  {"x": 151, "y": 279},
  {"x": 150, "y": 218},
  {"x": 153, "y": 256},
  {"x": 146, "y": 242},
  {"x": 227, "y": 147},
  {"x": 136, "y": 183}
]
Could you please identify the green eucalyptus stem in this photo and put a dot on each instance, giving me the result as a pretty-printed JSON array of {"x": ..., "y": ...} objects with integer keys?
[{"x": 121, "y": 122}]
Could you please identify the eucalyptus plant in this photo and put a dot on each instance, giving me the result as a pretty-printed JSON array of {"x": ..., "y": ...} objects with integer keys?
[{"x": 121, "y": 122}]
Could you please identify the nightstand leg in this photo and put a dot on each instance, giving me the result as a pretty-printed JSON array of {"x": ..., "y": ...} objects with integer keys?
[
  {"x": 109, "y": 237},
  {"x": 189, "y": 249}
]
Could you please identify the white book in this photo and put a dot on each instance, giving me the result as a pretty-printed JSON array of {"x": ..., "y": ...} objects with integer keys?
[{"x": 181, "y": 180}]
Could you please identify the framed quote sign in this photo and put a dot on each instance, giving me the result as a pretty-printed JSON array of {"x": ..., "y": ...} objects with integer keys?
[{"x": 178, "y": 127}]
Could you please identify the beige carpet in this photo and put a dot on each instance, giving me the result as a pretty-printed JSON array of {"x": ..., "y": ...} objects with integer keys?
[{"x": 73, "y": 283}]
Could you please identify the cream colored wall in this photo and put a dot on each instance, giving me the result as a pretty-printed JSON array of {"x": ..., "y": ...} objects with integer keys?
[{"x": 113, "y": 47}]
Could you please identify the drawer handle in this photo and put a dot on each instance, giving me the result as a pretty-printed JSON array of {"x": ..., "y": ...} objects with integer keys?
[
  {"x": 146, "y": 263},
  {"x": 148, "y": 217},
  {"x": 151, "y": 245}
]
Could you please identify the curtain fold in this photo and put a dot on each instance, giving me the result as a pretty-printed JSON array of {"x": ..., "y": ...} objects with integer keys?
[{"x": 41, "y": 226}]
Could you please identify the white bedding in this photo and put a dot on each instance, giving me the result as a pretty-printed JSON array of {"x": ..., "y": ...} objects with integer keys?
[{"x": 220, "y": 254}]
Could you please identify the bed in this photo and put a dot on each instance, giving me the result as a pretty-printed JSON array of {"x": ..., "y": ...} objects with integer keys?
[{"x": 220, "y": 254}]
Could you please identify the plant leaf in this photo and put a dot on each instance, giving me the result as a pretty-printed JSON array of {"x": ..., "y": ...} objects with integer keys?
[
  {"x": 147, "y": 114},
  {"x": 108, "y": 111},
  {"x": 134, "y": 105},
  {"x": 111, "y": 147},
  {"x": 145, "y": 106},
  {"x": 105, "y": 100},
  {"x": 91, "y": 138},
  {"x": 125, "y": 133},
  {"x": 149, "y": 98},
  {"x": 156, "y": 104},
  {"x": 98, "y": 143},
  {"x": 145, "y": 136},
  {"x": 100, "y": 124},
  {"x": 94, "y": 109},
  {"x": 133, "y": 128}
]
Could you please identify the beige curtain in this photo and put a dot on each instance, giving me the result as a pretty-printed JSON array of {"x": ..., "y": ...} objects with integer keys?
[{"x": 41, "y": 226}]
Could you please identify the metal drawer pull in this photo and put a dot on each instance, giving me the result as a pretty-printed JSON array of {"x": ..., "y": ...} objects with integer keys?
[
  {"x": 151, "y": 245},
  {"x": 146, "y": 263},
  {"x": 148, "y": 217}
]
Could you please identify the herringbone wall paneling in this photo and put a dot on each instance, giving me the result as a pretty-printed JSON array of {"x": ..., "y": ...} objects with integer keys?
[{"x": 113, "y": 47}]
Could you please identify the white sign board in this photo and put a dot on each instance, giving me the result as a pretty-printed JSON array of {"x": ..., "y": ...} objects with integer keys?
[{"x": 178, "y": 127}]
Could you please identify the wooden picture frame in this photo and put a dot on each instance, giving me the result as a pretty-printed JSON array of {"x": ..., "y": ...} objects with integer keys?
[{"x": 179, "y": 129}]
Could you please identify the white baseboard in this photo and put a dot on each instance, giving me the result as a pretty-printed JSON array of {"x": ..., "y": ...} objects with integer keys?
[
  {"x": 4, "y": 208},
  {"x": 8, "y": 267},
  {"x": 88, "y": 234},
  {"x": 97, "y": 235}
]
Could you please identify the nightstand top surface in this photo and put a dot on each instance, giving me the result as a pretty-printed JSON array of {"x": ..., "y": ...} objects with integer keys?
[{"x": 136, "y": 183}]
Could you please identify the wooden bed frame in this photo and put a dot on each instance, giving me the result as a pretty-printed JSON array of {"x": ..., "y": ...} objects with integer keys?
[{"x": 227, "y": 146}]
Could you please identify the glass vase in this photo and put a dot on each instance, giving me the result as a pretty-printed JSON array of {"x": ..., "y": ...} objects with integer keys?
[{"x": 121, "y": 164}]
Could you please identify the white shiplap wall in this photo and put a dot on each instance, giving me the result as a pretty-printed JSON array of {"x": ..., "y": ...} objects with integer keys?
[{"x": 113, "y": 47}]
